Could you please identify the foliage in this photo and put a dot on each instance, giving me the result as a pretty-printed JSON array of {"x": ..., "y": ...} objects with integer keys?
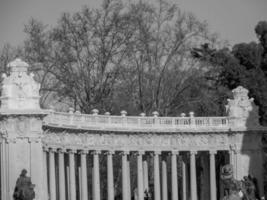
[
  {"x": 132, "y": 56},
  {"x": 243, "y": 65}
]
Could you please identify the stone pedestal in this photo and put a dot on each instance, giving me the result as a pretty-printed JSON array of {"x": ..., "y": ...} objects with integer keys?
[
  {"x": 21, "y": 131},
  {"x": 248, "y": 157}
]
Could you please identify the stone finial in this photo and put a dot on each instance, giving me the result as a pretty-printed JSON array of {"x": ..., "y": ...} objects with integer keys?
[
  {"x": 155, "y": 114},
  {"x": 191, "y": 114},
  {"x": 77, "y": 112},
  {"x": 95, "y": 111},
  {"x": 142, "y": 114},
  {"x": 107, "y": 113},
  {"x": 123, "y": 113},
  {"x": 183, "y": 114},
  {"x": 71, "y": 110},
  {"x": 241, "y": 109}
]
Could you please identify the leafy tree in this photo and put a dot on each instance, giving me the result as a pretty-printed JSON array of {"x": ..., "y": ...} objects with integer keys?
[
  {"x": 243, "y": 65},
  {"x": 261, "y": 32}
]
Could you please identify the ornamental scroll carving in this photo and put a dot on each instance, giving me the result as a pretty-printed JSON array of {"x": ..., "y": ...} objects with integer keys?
[
  {"x": 19, "y": 90},
  {"x": 242, "y": 108},
  {"x": 137, "y": 141}
]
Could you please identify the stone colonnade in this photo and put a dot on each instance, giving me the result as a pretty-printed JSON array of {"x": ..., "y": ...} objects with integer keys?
[{"x": 67, "y": 181}]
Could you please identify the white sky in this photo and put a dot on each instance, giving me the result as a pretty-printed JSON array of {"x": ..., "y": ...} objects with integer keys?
[{"x": 234, "y": 20}]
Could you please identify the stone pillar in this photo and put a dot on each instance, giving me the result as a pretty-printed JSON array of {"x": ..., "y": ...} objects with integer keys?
[
  {"x": 193, "y": 177},
  {"x": 110, "y": 175},
  {"x": 52, "y": 175},
  {"x": 84, "y": 187},
  {"x": 125, "y": 187},
  {"x": 156, "y": 176},
  {"x": 213, "y": 193},
  {"x": 61, "y": 163},
  {"x": 184, "y": 176},
  {"x": 164, "y": 180},
  {"x": 145, "y": 176},
  {"x": 174, "y": 175},
  {"x": 129, "y": 179},
  {"x": 21, "y": 130},
  {"x": 232, "y": 156},
  {"x": 140, "y": 184},
  {"x": 45, "y": 162},
  {"x": 4, "y": 170},
  {"x": 96, "y": 180},
  {"x": 72, "y": 186}
]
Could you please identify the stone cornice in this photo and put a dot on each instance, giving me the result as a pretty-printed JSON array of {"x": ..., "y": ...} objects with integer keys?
[{"x": 12, "y": 113}]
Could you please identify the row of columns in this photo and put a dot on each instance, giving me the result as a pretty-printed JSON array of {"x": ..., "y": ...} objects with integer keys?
[{"x": 142, "y": 176}]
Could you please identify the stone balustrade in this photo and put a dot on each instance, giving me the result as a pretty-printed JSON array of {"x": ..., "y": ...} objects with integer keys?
[
  {"x": 135, "y": 123},
  {"x": 64, "y": 155}
]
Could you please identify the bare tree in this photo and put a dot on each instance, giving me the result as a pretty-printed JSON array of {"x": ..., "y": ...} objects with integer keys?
[
  {"x": 161, "y": 73},
  {"x": 82, "y": 54},
  {"x": 133, "y": 56}
]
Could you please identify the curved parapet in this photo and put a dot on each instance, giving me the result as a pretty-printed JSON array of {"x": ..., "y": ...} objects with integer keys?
[{"x": 135, "y": 123}]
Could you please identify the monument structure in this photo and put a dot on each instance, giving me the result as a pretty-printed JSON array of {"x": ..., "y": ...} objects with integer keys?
[{"x": 56, "y": 148}]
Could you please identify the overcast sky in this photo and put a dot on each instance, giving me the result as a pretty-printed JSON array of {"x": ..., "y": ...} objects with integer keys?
[{"x": 233, "y": 20}]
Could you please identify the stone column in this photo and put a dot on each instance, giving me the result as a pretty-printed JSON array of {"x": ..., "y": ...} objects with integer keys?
[
  {"x": 125, "y": 187},
  {"x": 72, "y": 186},
  {"x": 184, "y": 176},
  {"x": 110, "y": 175},
  {"x": 193, "y": 177},
  {"x": 213, "y": 193},
  {"x": 84, "y": 187},
  {"x": 140, "y": 184},
  {"x": 4, "y": 170},
  {"x": 129, "y": 179},
  {"x": 174, "y": 175},
  {"x": 145, "y": 170},
  {"x": 96, "y": 180},
  {"x": 45, "y": 150},
  {"x": 164, "y": 180},
  {"x": 156, "y": 176},
  {"x": 52, "y": 175},
  {"x": 61, "y": 163},
  {"x": 232, "y": 156}
]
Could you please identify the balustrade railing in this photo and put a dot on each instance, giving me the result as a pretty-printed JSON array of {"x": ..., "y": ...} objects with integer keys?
[{"x": 95, "y": 121}]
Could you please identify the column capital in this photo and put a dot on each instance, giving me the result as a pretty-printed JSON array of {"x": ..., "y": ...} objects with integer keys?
[
  {"x": 123, "y": 153},
  {"x": 232, "y": 146},
  {"x": 237, "y": 151},
  {"x": 72, "y": 151},
  {"x": 212, "y": 152},
  {"x": 156, "y": 153},
  {"x": 45, "y": 148},
  {"x": 96, "y": 152},
  {"x": 193, "y": 153},
  {"x": 140, "y": 153},
  {"x": 110, "y": 152},
  {"x": 52, "y": 150},
  {"x": 174, "y": 152},
  {"x": 61, "y": 150},
  {"x": 84, "y": 151}
]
